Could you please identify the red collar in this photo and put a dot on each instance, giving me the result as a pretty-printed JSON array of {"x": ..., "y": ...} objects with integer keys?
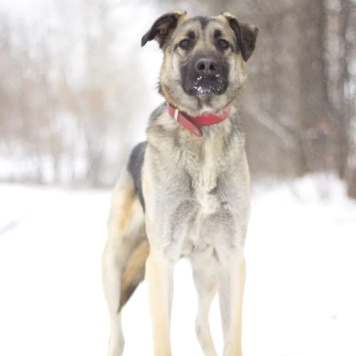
[{"x": 192, "y": 122}]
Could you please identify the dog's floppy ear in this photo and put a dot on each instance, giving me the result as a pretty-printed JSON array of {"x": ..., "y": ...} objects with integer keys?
[
  {"x": 246, "y": 35},
  {"x": 162, "y": 28}
]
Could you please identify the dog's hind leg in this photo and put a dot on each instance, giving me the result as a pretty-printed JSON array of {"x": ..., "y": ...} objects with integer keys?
[
  {"x": 126, "y": 248},
  {"x": 111, "y": 281},
  {"x": 205, "y": 283}
]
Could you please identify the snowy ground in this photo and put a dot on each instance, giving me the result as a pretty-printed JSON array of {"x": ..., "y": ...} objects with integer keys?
[{"x": 300, "y": 293}]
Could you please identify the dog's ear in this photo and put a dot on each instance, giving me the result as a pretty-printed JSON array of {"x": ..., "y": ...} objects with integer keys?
[
  {"x": 246, "y": 35},
  {"x": 162, "y": 28}
]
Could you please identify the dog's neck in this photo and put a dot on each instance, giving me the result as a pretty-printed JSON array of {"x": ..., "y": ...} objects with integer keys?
[{"x": 192, "y": 123}]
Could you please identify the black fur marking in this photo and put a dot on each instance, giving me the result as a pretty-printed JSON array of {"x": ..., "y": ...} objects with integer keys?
[
  {"x": 217, "y": 33},
  {"x": 246, "y": 37},
  {"x": 203, "y": 21},
  {"x": 196, "y": 83},
  {"x": 135, "y": 168},
  {"x": 191, "y": 35}
]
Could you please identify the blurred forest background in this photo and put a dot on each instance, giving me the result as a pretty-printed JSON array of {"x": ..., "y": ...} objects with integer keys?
[{"x": 76, "y": 88}]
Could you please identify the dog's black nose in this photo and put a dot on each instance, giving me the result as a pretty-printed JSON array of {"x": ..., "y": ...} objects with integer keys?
[{"x": 206, "y": 66}]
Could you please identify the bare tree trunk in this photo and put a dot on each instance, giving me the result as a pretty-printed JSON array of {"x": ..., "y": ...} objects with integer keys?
[
  {"x": 350, "y": 95},
  {"x": 351, "y": 161},
  {"x": 313, "y": 104}
]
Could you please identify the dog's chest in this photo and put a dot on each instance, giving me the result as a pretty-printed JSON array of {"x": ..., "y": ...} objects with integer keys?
[
  {"x": 204, "y": 165},
  {"x": 204, "y": 172},
  {"x": 207, "y": 173}
]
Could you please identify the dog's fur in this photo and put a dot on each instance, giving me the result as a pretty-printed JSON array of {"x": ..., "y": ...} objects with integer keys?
[{"x": 183, "y": 195}]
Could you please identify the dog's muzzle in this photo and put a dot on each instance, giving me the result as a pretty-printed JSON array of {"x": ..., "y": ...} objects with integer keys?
[{"x": 205, "y": 76}]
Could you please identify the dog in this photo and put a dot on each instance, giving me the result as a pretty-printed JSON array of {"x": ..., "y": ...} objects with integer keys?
[{"x": 185, "y": 191}]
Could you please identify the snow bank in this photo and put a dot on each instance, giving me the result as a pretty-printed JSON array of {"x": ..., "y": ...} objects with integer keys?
[{"x": 300, "y": 294}]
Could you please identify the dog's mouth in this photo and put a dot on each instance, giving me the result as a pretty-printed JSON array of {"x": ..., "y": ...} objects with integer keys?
[{"x": 206, "y": 85}]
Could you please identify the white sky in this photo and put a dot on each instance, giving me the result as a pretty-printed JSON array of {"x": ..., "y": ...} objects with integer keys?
[{"x": 25, "y": 8}]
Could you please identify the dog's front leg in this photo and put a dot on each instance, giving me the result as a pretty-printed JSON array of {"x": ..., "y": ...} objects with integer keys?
[
  {"x": 159, "y": 276},
  {"x": 231, "y": 290}
]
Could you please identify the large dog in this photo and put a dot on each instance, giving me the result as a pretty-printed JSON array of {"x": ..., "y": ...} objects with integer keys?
[{"x": 185, "y": 191}]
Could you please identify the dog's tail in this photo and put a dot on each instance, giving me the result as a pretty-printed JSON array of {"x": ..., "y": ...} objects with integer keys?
[{"x": 134, "y": 272}]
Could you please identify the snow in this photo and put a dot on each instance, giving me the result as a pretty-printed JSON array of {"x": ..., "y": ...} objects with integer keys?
[{"x": 300, "y": 291}]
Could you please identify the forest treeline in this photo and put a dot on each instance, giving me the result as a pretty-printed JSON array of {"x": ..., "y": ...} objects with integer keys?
[{"x": 74, "y": 92}]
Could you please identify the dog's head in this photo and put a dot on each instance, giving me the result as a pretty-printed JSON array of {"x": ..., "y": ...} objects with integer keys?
[{"x": 203, "y": 66}]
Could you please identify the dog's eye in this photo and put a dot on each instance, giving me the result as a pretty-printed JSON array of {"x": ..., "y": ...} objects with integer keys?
[
  {"x": 185, "y": 44},
  {"x": 223, "y": 44}
]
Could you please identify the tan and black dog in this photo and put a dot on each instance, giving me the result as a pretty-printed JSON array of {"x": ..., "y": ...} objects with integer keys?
[{"x": 185, "y": 192}]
